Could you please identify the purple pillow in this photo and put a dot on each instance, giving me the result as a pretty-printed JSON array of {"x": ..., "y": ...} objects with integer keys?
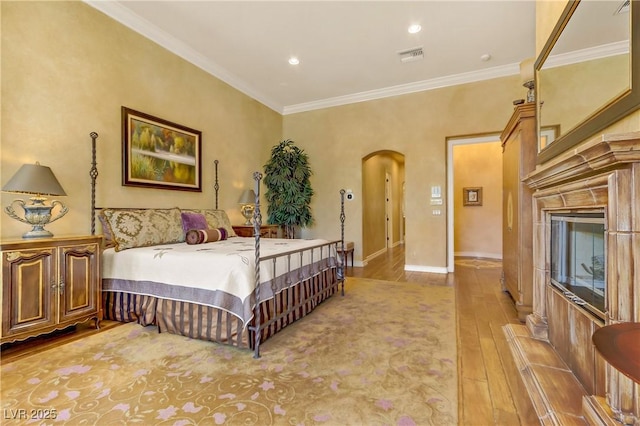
[{"x": 193, "y": 221}]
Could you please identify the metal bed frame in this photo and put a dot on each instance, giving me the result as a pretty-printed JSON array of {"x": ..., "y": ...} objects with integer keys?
[{"x": 258, "y": 326}]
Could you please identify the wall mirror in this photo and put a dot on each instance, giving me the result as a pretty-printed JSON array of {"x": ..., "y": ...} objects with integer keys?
[{"x": 586, "y": 72}]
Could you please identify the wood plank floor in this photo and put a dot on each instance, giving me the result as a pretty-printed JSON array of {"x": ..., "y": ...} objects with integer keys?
[{"x": 490, "y": 389}]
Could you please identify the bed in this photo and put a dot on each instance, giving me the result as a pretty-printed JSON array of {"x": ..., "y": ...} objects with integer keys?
[{"x": 208, "y": 283}]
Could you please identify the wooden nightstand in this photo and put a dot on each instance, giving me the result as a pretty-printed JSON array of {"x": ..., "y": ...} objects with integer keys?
[
  {"x": 49, "y": 284},
  {"x": 350, "y": 247},
  {"x": 266, "y": 231}
]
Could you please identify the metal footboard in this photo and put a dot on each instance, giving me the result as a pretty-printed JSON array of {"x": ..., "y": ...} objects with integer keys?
[{"x": 293, "y": 303}]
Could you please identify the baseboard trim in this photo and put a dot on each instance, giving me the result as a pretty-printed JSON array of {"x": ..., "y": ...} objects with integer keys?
[
  {"x": 431, "y": 269},
  {"x": 376, "y": 254}
]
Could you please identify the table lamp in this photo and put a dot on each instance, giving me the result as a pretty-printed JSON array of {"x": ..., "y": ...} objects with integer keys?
[
  {"x": 248, "y": 202},
  {"x": 37, "y": 180}
]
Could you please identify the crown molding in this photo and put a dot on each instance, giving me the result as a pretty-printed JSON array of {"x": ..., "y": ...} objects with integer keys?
[
  {"x": 129, "y": 19},
  {"x": 598, "y": 52},
  {"x": 403, "y": 89},
  {"x": 588, "y": 54},
  {"x": 124, "y": 16}
]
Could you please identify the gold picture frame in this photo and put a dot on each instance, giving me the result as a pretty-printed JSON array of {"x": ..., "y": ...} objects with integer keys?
[
  {"x": 472, "y": 196},
  {"x": 157, "y": 153}
]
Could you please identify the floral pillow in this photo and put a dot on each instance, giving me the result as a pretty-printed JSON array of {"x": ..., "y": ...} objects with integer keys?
[
  {"x": 144, "y": 227},
  {"x": 107, "y": 236}
]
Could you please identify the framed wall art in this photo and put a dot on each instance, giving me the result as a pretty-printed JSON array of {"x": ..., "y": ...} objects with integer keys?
[
  {"x": 472, "y": 196},
  {"x": 548, "y": 135},
  {"x": 157, "y": 153}
]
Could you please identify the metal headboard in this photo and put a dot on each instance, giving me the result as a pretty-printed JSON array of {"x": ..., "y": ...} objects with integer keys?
[
  {"x": 93, "y": 173},
  {"x": 257, "y": 176}
]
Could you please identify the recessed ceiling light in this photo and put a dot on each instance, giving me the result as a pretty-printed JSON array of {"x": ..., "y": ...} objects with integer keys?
[
  {"x": 294, "y": 61},
  {"x": 415, "y": 28}
]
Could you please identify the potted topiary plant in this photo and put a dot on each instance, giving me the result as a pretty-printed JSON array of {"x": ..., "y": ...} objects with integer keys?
[{"x": 288, "y": 186}]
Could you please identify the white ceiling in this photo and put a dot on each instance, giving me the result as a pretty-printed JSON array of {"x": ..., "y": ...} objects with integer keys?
[{"x": 348, "y": 50}]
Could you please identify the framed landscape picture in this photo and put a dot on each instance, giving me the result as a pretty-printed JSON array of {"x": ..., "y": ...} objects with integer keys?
[{"x": 157, "y": 153}]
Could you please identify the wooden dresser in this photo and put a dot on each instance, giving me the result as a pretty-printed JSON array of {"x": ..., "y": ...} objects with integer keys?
[
  {"x": 519, "y": 150},
  {"x": 49, "y": 284}
]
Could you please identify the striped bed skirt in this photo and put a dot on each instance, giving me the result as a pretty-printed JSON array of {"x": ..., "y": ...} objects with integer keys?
[{"x": 210, "y": 323}]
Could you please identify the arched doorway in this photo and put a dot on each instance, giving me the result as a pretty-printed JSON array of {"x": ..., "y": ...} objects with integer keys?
[{"x": 383, "y": 223}]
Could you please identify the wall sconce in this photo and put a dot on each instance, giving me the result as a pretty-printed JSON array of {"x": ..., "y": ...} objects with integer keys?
[
  {"x": 38, "y": 180},
  {"x": 528, "y": 78},
  {"x": 248, "y": 202}
]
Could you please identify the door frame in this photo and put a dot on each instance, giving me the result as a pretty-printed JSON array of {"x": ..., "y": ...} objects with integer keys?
[{"x": 451, "y": 143}]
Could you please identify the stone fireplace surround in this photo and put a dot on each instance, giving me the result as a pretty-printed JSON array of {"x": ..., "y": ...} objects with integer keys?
[{"x": 567, "y": 380}]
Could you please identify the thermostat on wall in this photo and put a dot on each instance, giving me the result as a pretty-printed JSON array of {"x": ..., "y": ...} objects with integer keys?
[{"x": 350, "y": 195}]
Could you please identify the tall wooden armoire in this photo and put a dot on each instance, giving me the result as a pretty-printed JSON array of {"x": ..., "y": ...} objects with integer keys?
[{"x": 519, "y": 151}]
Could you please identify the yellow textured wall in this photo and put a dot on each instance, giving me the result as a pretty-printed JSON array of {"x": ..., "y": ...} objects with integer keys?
[
  {"x": 373, "y": 212},
  {"x": 415, "y": 125},
  {"x": 66, "y": 71},
  {"x": 547, "y": 14},
  {"x": 478, "y": 229},
  {"x": 570, "y": 81}
]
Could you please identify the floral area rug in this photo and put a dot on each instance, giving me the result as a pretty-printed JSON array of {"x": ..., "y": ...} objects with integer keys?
[{"x": 384, "y": 354}]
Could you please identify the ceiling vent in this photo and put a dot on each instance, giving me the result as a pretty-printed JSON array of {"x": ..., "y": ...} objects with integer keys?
[
  {"x": 411, "y": 55},
  {"x": 623, "y": 8}
]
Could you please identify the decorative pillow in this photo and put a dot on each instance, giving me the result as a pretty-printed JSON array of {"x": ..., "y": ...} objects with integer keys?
[
  {"x": 219, "y": 219},
  {"x": 215, "y": 219},
  {"x": 107, "y": 235},
  {"x": 199, "y": 236},
  {"x": 144, "y": 227},
  {"x": 193, "y": 221}
]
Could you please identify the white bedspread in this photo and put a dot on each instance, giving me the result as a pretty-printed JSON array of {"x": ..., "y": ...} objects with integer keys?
[{"x": 223, "y": 267}]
